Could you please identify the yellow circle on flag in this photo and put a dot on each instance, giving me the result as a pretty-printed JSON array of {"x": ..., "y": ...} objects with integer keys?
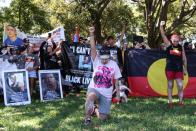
[{"x": 157, "y": 78}]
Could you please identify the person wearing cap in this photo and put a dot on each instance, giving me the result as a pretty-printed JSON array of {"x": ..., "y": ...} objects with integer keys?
[
  {"x": 115, "y": 52},
  {"x": 101, "y": 86},
  {"x": 176, "y": 65}
]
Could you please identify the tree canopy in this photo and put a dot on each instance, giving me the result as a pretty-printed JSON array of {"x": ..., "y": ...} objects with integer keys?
[{"x": 141, "y": 17}]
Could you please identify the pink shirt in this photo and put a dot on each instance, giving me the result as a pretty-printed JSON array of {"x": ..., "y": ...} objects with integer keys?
[{"x": 103, "y": 76}]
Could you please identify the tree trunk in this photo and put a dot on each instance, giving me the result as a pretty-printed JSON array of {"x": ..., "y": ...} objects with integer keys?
[
  {"x": 153, "y": 20},
  {"x": 19, "y": 14},
  {"x": 97, "y": 25},
  {"x": 96, "y": 17}
]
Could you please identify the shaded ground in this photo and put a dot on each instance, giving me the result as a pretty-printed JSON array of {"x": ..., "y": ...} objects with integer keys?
[{"x": 67, "y": 114}]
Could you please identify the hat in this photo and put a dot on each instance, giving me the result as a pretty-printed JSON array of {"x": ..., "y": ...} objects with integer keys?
[{"x": 104, "y": 53}]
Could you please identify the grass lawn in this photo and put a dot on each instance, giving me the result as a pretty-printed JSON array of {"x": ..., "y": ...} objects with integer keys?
[{"x": 67, "y": 114}]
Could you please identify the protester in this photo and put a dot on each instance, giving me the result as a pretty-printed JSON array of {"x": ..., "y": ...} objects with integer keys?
[
  {"x": 176, "y": 65},
  {"x": 32, "y": 65},
  {"x": 163, "y": 47},
  {"x": 189, "y": 44},
  {"x": 12, "y": 39},
  {"x": 115, "y": 52},
  {"x": 48, "y": 58},
  {"x": 141, "y": 45},
  {"x": 76, "y": 36},
  {"x": 18, "y": 56},
  {"x": 101, "y": 85},
  {"x": 82, "y": 40}
]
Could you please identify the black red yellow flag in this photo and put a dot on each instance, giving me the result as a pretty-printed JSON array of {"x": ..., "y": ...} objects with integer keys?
[{"x": 145, "y": 70}]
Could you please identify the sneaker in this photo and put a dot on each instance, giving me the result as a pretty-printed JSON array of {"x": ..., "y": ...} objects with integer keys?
[
  {"x": 170, "y": 105},
  {"x": 87, "y": 121},
  {"x": 93, "y": 113},
  {"x": 181, "y": 104}
]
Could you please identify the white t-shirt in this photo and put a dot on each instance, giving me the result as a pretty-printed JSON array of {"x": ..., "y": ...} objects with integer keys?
[{"x": 103, "y": 76}]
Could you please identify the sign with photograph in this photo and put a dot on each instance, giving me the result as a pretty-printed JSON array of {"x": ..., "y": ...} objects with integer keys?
[
  {"x": 16, "y": 87},
  {"x": 11, "y": 32},
  {"x": 81, "y": 72},
  {"x": 50, "y": 85},
  {"x": 8, "y": 63}
]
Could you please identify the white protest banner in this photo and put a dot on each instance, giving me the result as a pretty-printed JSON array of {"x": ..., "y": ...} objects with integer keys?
[
  {"x": 36, "y": 40},
  {"x": 57, "y": 34}
]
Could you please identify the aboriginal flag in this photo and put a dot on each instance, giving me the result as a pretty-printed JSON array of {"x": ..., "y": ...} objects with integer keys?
[{"x": 145, "y": 70}]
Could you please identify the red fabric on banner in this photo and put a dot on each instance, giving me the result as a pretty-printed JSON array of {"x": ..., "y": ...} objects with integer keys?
[
  {"x": 140, "y": 87},
  {"x": 190, "y": 90}
]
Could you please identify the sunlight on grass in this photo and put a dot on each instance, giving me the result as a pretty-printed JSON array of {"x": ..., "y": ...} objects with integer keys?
[
  {"x": 31, "y": 123},
  {"x": 68, "y": 114}
]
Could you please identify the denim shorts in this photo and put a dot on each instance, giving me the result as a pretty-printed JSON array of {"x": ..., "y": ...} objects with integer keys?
[{"x": 104, "y": 103}]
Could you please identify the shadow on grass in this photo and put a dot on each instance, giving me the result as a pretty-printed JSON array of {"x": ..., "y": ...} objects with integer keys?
[
  {"x": 40, "y": 115},
  {"x": 147, "y": 114},
  {"x": 67, "y": 114}
]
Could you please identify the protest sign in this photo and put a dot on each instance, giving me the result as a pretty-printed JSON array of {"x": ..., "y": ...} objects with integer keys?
[
  {"x": 50, "y": 85},
  {"x": 16, "y": 87}
]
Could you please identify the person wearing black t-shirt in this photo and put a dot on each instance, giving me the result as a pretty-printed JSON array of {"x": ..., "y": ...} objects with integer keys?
[
  {"x": 115, "y": 55},
  {"x": 176, "y": 65},
  {"x": 115, "y": 52},
  {"x": 48, "y": 57}
]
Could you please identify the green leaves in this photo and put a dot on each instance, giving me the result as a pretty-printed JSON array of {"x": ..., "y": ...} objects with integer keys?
[{"x": 26, "y": 16}]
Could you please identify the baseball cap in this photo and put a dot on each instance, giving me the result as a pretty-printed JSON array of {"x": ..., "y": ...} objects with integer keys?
[{"x": 104, "y": 52}]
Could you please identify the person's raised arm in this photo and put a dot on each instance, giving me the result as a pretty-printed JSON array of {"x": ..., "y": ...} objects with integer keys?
[
  {"x": 165, "y": 39},
  {"x": 92, "y": 43}
]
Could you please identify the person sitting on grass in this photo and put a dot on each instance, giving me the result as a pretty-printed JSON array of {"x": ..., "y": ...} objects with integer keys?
[{"x": 101, "y": 86}]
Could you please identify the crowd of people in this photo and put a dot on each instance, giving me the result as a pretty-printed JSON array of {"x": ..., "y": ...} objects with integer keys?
[
  {"x": 107, "y": 66},
  {"x": 24, "y": 55}
]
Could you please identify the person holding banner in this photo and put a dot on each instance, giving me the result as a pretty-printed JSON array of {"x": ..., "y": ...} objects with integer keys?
[
  {"x": 12, "y": 39},
  {"x": 176, "y": 64},
  {"x": 48, "y": 57},
  {"x": 101, "y": 86}
]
